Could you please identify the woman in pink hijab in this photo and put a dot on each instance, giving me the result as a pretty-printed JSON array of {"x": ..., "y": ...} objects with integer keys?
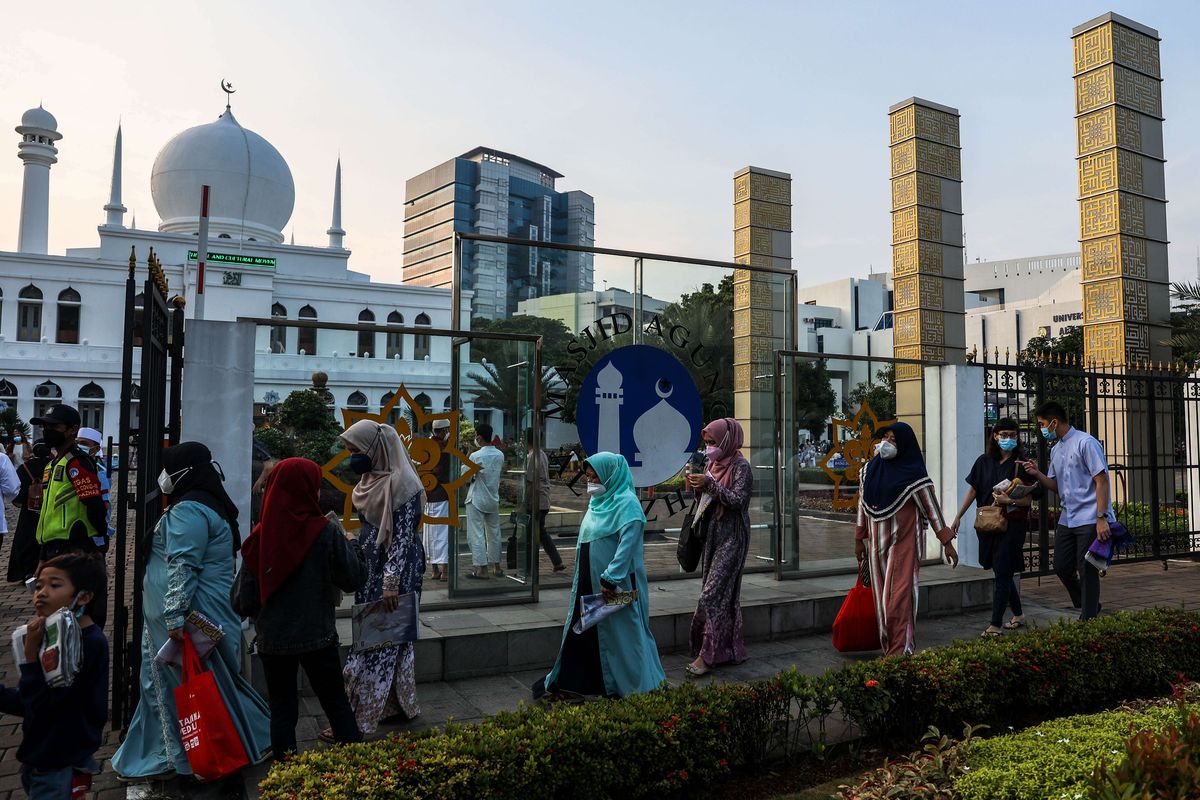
[{"x": 724, "y": 489}]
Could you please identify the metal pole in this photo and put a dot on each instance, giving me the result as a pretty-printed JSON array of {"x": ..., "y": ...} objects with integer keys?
[
  {"x": 638, "y": 300},
  {"x": 123, "y": 687},
  {"x": 176, "y": 412},
  {"x": 779, "y": 467},
  {"x": 201, "y": 251}
]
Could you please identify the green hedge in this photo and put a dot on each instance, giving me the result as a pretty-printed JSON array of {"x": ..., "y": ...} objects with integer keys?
[{"x": 674, "y": 738}]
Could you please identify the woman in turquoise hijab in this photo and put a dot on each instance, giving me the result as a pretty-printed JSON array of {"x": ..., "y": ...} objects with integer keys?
[{"x": 618, "y": 656}]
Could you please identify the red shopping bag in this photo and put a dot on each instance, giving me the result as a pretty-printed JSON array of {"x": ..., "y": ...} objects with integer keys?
[
  {"x": 855, "y": 628},
  {"x": 210, "y": 741}
]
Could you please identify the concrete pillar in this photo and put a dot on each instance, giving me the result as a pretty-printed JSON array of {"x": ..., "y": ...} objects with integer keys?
[
  {"x": 762, "y": 236},
  {"x": 927, "y": 246},
  {"x": 1122, "y": 200},
  {"x": 218, "y": 401},
  {"x": 954, "y": 393}
]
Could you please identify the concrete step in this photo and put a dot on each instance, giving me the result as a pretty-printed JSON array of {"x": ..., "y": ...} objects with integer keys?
[{"x": 467, "y": 643}]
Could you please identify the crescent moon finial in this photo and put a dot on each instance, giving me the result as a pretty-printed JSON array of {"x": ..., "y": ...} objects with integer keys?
[{"x": 228, "y": 89}]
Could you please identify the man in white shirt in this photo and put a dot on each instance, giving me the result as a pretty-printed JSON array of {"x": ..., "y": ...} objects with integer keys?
[
  {"x": 483, "y": 506},
  {"x": 10, "y": 485}
]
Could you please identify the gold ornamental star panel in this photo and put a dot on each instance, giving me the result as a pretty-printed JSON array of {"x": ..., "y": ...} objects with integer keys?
[
  {"x": 857, "y": 449},
  {"x": 424, "y": 453}
]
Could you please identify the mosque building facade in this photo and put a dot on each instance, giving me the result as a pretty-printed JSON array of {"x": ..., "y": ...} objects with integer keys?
[{"x": 62, "y": 316}]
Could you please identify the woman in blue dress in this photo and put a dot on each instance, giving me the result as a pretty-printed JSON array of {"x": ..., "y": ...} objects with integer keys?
[
  {"x": 389, "y": 497},
  {"x": 618, "y": 656},
  {"x": 189, "y": 567}
]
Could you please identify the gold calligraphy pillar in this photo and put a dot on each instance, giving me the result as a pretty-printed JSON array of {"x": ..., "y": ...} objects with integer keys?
[
  {"x": 762, "y": 236},
  {"x": 927, "y": 246},
  {"x": 1122, "y": 200}
]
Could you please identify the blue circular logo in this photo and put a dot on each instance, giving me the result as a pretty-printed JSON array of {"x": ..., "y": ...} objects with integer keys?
[{"x": 641, "y": 402}]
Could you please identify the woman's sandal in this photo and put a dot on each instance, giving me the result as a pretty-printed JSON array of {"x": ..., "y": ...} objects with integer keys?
[
  {"x": 990, "y": 634},
  {"x": 327, "y": 736},
  {"x": 695, "y": 672},
  {"x": 1014, "y": 624}
]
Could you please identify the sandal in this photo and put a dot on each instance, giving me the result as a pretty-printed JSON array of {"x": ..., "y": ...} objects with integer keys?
[
  {"x": 695, "y": 672},
  {"x": 990, "y": 634},
  {"x": 1015, "y": 623},
  {"x": 327, "y": 736}
]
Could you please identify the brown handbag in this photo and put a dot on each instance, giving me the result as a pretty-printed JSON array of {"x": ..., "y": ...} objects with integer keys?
[{"x": 991, "y": 519}]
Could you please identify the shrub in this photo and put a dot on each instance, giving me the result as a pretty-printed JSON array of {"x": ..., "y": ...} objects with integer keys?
[
  {"x": 1028, "y": 677},
  {"x": 932, "y": 772},
  {"x": 1155, "y": 763},
  {"x": 680, "y": 737},
  {"x": 1053, "y": 759}
]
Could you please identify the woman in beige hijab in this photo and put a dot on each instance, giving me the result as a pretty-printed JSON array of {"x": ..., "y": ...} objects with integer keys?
[{"x": 381, "y": 684}]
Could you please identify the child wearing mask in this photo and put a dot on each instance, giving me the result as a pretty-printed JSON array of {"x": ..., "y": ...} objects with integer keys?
[{"x": 63, "y": 727}]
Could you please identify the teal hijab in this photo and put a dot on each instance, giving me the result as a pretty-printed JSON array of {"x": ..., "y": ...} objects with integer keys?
[{"x": 608, "y": 513}]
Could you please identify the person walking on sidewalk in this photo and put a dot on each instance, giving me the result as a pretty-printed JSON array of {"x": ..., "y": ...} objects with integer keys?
[
  {"x": 437, "y": 535},
  {"x": 23, "y": 556},
  {"x": 388, "y": 497},
  {"x": 724, "y": 486},
  {"x": 483, "y": 506},
  {"x": 73, "y": 511},
  {"x": 1078, "y": 474},
  {"x": 895, "y": 504},
  {"x": 302, "y": 562},
  {"x": 537, "y": 496},
  {"x": 1000, "y": 551}
]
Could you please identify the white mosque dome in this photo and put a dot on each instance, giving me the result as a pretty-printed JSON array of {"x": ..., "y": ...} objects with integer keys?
[
  {"x": 39, "y": 118},
  {"x": 251, "y": 193}
]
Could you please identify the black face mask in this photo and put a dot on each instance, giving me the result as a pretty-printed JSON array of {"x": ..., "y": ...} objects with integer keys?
[
  {"x": 360, "y": 463},
  {"x": 55, "y": 439}
]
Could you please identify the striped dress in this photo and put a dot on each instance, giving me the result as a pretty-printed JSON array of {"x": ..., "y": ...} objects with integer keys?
[{"x": 895, "y": 546}]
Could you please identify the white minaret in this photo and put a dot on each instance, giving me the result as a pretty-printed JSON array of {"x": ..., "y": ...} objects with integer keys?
[
  {"x": 335, "y": 229},
  {"x": 609, "y": 398},
  {"x": 39, "y": 132},
  {"x": 115, "y": 209}
]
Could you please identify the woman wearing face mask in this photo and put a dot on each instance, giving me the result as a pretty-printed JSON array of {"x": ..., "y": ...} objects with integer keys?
[
  {"x": 726, "y": 484},
  {"x": 1000, "y": 552},
  {"x": 618, "y": 656},
  {"x": 189, "y": 567},
  {"x": 895, "y": 503},
  {"x": 389, "y": 498},
  {"x": 23, "y": 559}
]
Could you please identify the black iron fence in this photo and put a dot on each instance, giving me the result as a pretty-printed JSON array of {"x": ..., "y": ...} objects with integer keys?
[{"x": 1146, "y": 416}]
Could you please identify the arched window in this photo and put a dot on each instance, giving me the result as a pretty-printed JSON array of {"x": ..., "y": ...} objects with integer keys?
[
  {"x": 45, "y": 395},
  {"x": 357, "y": 401},
  {"x": 224, "y": 236},
  {"x": 91, "y": 406},
  {"x": 424, "y": 402},
  {"x": 139, "y": 308},
  {"x": 278, "y": 332},
  {"x": 421, "y": 340},
  {"x": 395, "y": 341},
  {"x": 366, "y": 339},
  {"x": 68, "y": 317},
  {"x": 29, "y": 314},
  {"x": 306, "y": 339},
  {"x": 8, "y": 394}
]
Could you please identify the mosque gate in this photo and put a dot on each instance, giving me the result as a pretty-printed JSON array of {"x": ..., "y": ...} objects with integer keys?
[{"x": 145, "y": 430}]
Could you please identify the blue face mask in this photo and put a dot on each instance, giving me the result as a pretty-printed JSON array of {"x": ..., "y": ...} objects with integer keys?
[
  {"x": 1049, "y": 434},
  {"x": 360, "y": 463},
  {"x": 1008, "y": 445}
]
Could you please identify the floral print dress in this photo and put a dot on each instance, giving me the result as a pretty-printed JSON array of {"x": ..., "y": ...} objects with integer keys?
[
  {"x": 381, "y": 683},
  {"x": 717, "y": 623}
]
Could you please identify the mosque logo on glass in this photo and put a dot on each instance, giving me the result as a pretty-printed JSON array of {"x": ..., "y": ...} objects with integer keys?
[{"x": 641, "y": 402}]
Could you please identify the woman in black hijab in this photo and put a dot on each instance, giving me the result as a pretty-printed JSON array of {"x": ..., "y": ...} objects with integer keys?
[
  {"x": 23, "y": 559},
  {"x": 189, "y": 568}
]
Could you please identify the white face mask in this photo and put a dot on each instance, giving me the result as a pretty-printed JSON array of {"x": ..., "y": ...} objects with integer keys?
[
  {"x": 887, "y": 450},
  {"x": 596, "y": 489},
  {"x": 166, "y": 482}
]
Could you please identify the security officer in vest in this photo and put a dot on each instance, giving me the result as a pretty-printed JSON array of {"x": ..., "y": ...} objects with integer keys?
[{"x": 72, "y": 501}]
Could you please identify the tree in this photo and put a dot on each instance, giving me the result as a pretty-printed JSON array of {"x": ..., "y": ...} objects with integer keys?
[
  {"x": 815, "y": 399},
  {"x": 1068, "y": 348},
  {"x": 555, "y": 338},
  {"x": 501, "y": 388},
  {"x": 305, "y": 417},
  {"x": 1185, "y": 322},
  {"x": 707, "y": 314},
  {"x": 879, "y": 394},
  {"x": 10, "y": 421}
]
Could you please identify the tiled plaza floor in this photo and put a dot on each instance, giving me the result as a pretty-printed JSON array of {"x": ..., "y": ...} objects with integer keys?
[{"x": 1127, "y": 588}]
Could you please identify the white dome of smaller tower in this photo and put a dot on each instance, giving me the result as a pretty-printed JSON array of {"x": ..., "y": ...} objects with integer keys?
[
  {"x": 251, "y": 189},
  {"x": 39, "y": 119}
]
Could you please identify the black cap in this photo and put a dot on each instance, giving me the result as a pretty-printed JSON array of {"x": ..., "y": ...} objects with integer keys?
[{"x": 58, "y": 415}]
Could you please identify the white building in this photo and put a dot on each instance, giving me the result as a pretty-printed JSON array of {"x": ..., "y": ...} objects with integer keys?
[
  {"x": 577, "y": 310},
  {"x": 61, "y": 316}
]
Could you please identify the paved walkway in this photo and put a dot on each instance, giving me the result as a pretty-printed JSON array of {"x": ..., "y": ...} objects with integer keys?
[{"x": 1126, "y": 588}]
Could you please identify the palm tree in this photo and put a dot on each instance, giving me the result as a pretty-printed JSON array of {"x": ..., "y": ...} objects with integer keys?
[
  {"x": 1185, "y": 322},
  {"x": 507, "y": 390}
]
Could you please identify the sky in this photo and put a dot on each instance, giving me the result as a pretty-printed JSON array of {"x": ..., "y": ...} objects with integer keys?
[{"x": 650, "y": 107}]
